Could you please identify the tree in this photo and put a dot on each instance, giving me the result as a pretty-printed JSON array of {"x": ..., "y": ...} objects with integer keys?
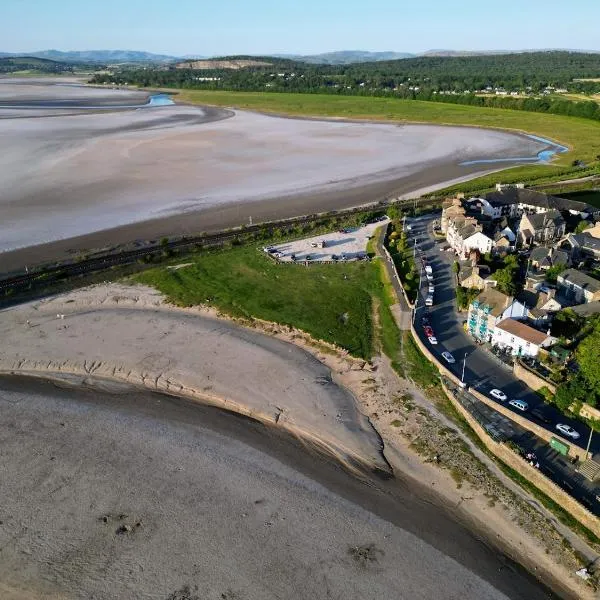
[
  {"x": 587, "y": 357},
  {"x": 506, "y": 280},
  {"x": 456, "y": 267},
  {"x": 553, "y": 272},
  {"x": 582, "y": 226}
]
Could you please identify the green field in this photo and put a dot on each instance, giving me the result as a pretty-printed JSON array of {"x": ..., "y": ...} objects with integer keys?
[
  {"x": 331, "y": 302},
  {"x": 582, "y": 136}
]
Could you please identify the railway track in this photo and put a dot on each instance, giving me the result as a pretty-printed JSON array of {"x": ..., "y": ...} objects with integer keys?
[{"x": 46, "y": 274}]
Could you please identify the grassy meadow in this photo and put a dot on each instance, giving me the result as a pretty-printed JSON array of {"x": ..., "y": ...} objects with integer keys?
[{"x": 346, "y": 304}]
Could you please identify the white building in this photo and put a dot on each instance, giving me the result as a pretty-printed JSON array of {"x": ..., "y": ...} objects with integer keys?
[
  {"x": 477, "y": 241},
  {"x": 522, "y": 339}
]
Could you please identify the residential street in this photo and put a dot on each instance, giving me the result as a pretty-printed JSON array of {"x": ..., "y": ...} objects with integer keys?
[{"x": 483, "y": 371}]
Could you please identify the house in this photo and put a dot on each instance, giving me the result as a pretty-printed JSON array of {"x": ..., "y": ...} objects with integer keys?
[
  {"x": 541, "y": 227},
  {"x": 586, "y": 310},
  {"x": 488, "y": 309},
  {"x": 451, "y": 209},
  {"x": 582, "y": 246},
  {"x": 475, "y": 276},
  {"x": 517, "y": 200},
  {"x": 541, "y": 305},
  {"x": 477, "y": 241},
  {"x": 577, "y": 287},
  {"x": 543, "y": 258},
  {"x": 522, "y": 339}
]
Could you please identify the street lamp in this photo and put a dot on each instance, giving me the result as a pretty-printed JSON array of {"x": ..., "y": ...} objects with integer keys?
[
  {"x": 589, "y": 443},
  {"x": 462, "y": 377},
  {"x": 415, "y": 307}
]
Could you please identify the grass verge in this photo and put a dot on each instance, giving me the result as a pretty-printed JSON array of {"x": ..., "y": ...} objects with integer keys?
[{"x": 333, "y": 303}]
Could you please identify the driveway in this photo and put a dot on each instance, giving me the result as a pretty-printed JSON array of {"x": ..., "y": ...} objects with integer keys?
[{"x": 483, "y": 371}]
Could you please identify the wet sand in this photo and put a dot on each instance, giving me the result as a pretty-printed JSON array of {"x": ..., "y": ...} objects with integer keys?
[
  {"x": 169, "y": 169},
  {"x": 225, "y": 504}
]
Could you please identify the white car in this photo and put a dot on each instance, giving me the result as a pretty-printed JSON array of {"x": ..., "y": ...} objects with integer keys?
[
  {"x": 432, "y": 339},
  {"x": 568, "y": 431},
  {"x": 429, "y": 300},
  {"x": 448, "y": 357},
  {"x": 499, "y": 395}
]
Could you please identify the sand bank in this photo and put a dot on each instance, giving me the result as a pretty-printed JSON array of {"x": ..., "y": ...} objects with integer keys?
[
  {"x": 122, "y": 333},
  {"x": 129, "y": 335}
]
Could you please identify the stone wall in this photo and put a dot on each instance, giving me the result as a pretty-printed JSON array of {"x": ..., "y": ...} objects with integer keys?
[
  {"x": 517, "y": 463},
  {"x": 589, "y": 412},
  {"x": 532, "y": 379}
]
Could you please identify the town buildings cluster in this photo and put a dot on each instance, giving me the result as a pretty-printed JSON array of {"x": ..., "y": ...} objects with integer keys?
[{"x": 540, "y": 228}]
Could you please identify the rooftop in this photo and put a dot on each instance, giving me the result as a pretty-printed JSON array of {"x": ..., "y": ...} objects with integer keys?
[
  {"x": 497, "y": 301},
  {"x": 580, "y": 279},
  {"x": 513, "y": 195},
  {"x": 523, "y": 331},
  {"x": 539, "y": 220},
  {"x": 585, "y": 310}
]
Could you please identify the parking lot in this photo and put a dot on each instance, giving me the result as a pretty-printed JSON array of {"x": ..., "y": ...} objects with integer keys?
[{"x": 344, "y": 245}]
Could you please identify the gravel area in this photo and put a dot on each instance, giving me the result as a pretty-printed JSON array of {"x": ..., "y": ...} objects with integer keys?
[{"x": 348, "y": 244}]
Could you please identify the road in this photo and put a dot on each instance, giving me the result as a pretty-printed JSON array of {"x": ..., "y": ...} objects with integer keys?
[{"x": 483, "y": 371}]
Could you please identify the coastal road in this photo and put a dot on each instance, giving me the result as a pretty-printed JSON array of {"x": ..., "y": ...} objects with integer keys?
[{"x": 483, "y": 371}]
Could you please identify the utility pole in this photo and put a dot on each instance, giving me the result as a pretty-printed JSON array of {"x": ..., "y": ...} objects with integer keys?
[
  {"x": 589, "y": 443},
  {"x": 415, "y": 248},
  {"x": 415, "y": 308},
  {"x": 462, "y": 378}
]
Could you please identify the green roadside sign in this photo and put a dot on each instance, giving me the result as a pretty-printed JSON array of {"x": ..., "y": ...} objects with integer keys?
[{"x": 559, "y": 446}]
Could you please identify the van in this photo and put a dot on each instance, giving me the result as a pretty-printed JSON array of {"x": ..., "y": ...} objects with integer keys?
[{"x": 519, "y": 404}]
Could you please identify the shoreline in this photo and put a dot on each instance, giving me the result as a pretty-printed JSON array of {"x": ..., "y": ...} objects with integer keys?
[
  {"x": 397, "y": 455},
  {"x": 236, "y": 214}
]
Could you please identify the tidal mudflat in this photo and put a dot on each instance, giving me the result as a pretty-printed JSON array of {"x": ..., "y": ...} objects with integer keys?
[{"x": 68, "y": 175}]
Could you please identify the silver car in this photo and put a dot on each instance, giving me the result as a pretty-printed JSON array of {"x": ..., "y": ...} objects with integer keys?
[
  {"x": 499, "y": 395},
  {"x": 568, "y": 431},
  {"x": 448, "y": 357}
]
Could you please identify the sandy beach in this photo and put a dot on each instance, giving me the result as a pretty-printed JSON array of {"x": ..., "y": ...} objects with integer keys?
[
  {"x": 72, "y": 175},
  {"x": 160, "y": 461}
]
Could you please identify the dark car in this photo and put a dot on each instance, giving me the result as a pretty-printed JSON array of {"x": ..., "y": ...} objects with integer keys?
[
  {"x": 424, "y": 321},
  {"x": 539, "y": 415}
]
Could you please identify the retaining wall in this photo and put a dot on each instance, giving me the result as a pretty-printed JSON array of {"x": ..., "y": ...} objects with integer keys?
[
  {"x": 516, "y": 462},
  {"x": 532, "y": 379}
]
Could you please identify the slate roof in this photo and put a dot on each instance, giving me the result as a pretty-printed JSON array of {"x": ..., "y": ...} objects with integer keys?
[
  {"x": 496, "y": 300},
  {"x": 585, "y": 310},
  {"x": 539, "y": 220},
  {"x": 580, "y": 280},
  {"x": 512, "y": 195}
]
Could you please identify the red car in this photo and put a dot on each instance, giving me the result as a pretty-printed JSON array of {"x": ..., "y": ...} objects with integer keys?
[{"x": 428, "y": 331}]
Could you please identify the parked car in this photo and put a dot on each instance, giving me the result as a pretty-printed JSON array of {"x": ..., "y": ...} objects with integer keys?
[
  {"x": 519, "y": 404},
  {"x": 499, "y": 395},
  {"x": 448, "y": 357},
  {"x": 429, "y": 300},
  {"x": 540, "y": 416},
  {"x": 432, "y": 339},
  {"x": 431, "y": 288},
  {"x": 334, "y": 257},
  {"x": 428, "y": 331},
  {"x": 424, "y": 320},
  {"x": 429, "y": 276},
  {"x": 568, "y": 431}
]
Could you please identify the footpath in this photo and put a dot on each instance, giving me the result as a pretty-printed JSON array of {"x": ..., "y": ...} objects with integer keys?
[{"x": 401, "y": 311}]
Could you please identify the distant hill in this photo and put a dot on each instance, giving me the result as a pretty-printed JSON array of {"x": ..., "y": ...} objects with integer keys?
[
  {"x": 345, "y": 57},
  {"x": 15, "y": 64},
  {"x": 99, "y": 56}
]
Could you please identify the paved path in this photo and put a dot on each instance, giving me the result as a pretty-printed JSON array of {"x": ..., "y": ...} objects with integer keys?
[{"x": 401, "y": 311}]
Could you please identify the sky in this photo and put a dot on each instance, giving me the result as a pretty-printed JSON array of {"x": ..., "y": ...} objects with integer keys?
[{"x": 227, "y": 27}]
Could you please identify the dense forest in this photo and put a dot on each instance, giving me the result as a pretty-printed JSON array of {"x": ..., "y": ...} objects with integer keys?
[
  {"x": 527, "y": 81},
  {"x": 11, "y": 64}
]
